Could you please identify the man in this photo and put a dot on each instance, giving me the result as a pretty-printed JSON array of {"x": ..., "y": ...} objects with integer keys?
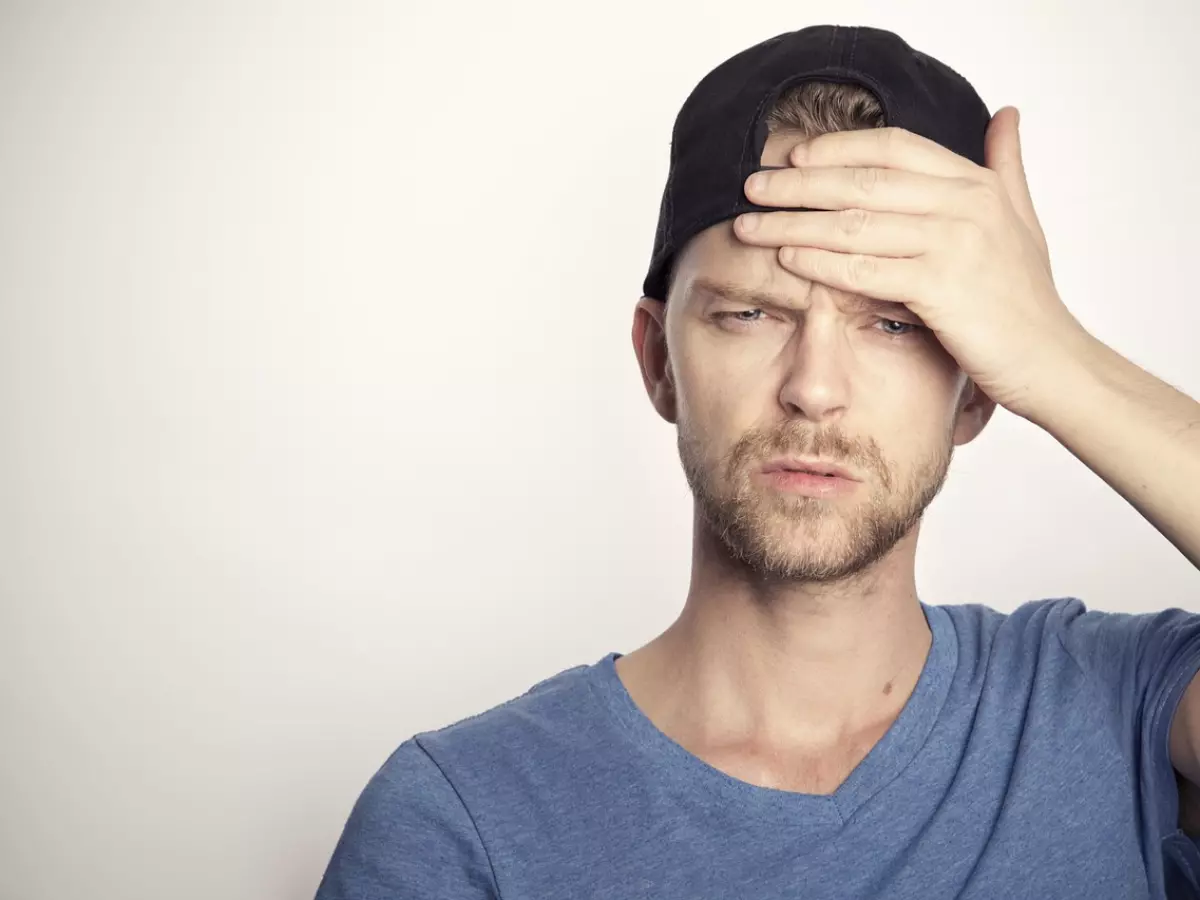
[{"x": 823, "y": 333}]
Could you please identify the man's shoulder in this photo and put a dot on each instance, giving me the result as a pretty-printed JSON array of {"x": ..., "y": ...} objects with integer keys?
[
  {"x": 507, "y": 737},
  {"x": 553, "y": 697},
  {"x": 1039, "y": 616}
]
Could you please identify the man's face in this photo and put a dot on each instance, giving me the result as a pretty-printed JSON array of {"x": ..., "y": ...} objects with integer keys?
[{"x": 818, "y": 374}]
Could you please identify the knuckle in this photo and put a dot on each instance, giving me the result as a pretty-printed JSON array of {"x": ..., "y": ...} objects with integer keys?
[
  {"x": 866, "y": 180},
  {"x": 971, "y": 235},
  {"x": 985, "y": 194},
  {"x": 991, "y": 178},
  {"x": 852, "y": 222},
  {"x": 859, "y": 269}
]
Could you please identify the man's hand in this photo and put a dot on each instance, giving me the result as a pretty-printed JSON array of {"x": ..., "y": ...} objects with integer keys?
[
  {"x": 959, "y": 244},
  {"x": 913, "y": 222}
]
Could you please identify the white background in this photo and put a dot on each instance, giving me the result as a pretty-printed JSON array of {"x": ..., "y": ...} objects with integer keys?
[{"x": 321, "y": 423}]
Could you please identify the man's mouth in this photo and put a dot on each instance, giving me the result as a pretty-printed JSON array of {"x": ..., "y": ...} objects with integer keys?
[{"x": 809, "y": 467}]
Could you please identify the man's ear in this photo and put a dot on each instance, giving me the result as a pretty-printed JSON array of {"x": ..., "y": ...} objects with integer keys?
[
  {"x": 975, "y": 409},
  {"x": 650, "y": 347}
]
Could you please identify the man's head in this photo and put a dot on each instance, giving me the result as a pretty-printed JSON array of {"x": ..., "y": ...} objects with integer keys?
[{"x": 752, "y": 362}]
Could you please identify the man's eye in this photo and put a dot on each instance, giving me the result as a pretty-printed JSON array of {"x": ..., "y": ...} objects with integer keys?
[
  {"x": 741, "y": 316},
  {"x": 904, "y": 327},
  {"x": 745, "y": 317}
]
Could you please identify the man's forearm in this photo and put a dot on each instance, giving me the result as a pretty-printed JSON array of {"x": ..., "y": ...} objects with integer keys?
[{"x": 1136, "y": 432}]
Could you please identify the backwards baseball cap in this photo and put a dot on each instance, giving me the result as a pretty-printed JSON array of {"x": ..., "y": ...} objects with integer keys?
[{"x": 721, "y": 129}]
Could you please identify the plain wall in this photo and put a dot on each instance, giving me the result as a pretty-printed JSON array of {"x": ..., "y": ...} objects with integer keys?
[{"x": 321, "y": 423}]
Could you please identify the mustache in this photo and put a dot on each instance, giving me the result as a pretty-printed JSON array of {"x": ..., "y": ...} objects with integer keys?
[
  {"x": 830, "y": 445},
  {"x": 827, "y": 445}
]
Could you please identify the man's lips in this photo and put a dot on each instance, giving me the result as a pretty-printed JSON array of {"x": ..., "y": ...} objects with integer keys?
[{"x": 811, "y": 466}]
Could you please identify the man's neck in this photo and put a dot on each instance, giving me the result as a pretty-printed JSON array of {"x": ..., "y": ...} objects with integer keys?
[{"x": 788, "y": 666}]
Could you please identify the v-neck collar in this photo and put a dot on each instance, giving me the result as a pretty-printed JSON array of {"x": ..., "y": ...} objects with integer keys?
[{"x": 886, "y": 760}]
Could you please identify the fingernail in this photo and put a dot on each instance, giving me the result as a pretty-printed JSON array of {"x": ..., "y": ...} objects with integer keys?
[{"x": 749, "y": 221}]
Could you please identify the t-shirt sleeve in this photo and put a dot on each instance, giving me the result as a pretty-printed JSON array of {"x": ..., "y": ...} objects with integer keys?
[
  {"x": 409, "y": 836},
  {"x": 1143, "y": 662}
]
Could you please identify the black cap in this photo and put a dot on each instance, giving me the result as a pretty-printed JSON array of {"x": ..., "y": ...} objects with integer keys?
[{"x": 719, "y": 134}]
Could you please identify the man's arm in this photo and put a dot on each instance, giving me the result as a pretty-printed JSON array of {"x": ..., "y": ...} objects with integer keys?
[{"x": 1142, "y": 437}]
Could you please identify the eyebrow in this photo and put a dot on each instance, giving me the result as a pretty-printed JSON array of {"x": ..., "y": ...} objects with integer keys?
[{"x": 736, "y": 293}]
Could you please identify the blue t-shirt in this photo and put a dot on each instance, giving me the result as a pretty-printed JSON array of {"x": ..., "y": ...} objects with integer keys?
[{"x": 1030, "y": 761}]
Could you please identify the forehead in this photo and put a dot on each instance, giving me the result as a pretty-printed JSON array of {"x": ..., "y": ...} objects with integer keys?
[
  {"x": 703, "y": 285},
  {"x": 778, "y": 148}
]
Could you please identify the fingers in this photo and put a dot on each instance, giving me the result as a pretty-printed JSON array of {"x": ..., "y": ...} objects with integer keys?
[
  {"x": 850, "y": 230},
  {"x": 895, "y": 280},
  {"x": 871, "y": 188},
  {"x": 884, "y": 147}
]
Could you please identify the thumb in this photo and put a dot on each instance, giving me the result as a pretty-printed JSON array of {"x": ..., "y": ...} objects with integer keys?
[{"x": 1002, "y": 154}]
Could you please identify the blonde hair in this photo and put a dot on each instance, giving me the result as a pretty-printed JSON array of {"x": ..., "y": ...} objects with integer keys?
[{"x": 821, "y": 107}]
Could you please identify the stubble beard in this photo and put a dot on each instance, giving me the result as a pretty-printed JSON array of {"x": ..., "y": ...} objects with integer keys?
[{"x": 788, "y": 537}]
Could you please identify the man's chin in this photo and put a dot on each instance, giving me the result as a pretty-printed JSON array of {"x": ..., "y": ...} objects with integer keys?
[
  {"x": 802, "y": 566},
  {"x": 781, "y": 537},
  {"x": 801, "y": 514}
]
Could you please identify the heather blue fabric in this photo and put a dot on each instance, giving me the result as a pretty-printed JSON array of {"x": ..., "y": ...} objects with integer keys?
[{"x": 1030, "y": 761}]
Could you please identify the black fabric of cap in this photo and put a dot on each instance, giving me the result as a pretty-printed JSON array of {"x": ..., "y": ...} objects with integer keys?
[{"x": 719, "y": 134}]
